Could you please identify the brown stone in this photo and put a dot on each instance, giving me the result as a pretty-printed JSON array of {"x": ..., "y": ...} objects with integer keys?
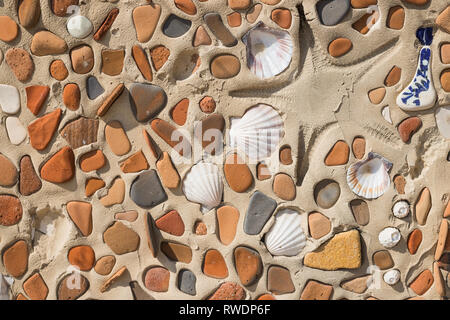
[
  {"x": 339, "y": 47},
  {"x": 129, "y": 216},
  {"x": 60, "y": 7},
  {"x": 60, "y": 167},
  {"x": 109, "y": 101},
  {"x": 92, "y": 185},
  {"x": 377, "y": 95},
  {"x": 177, "y": 252},
  {"x": 113, "y": 279},
  {"x": 414, "y": 241},
  {"x": 248, "y": 265},
  {"x": 234, "y": 19},
  {"x": 284, "y": 187},
  {"x": 393, "y": 77},
  {"x": 104, "y": 265},
  {"x": 400, "y": 183},
  {"x": 142, "y": 63},
  {"x": 29, "y": 181},
  {"x": 121, "y": 239},
  {"x": 36, "y": 96},
  {"x": 179, "y": 112},
  {"x": 72, "y": 286},
  {"x": 228, "y": 291},
  {"x": 408, "y": 127},
  {"x": 106, "y": 25},
  {"x": 423, "y": 206},
  {"x": 282, "y": 17},
  {"x": 45, "y": 43},
  {"x": 115, "y": 195},
  {"x": 168, "y": 172},
  {"x": 214, "y": 265},
  {"x": 383, "y": 260},
  {"x": 207, "y": 105},
  {"x": 445, "y": 53},
  {"x": 135, "y": 163},
  {"x": 72, "y": 96},
  {"x": 145, "y": 20},
  {"x": 358, "y": 4},
  {"x": 42, "y": 130},
  {"x": 239, "y": 4},
  {"x": 357, "y": 285},
  {"x": 82, "y": 58},
  {"x": 187, "y": 6},
  {"x": 422, "y": 282},
  {"x": 157, "y": 279},
  {"x": 8, "y": 171},
  {"x": 359, "y": 147},
  {"x": 445, "y": 80},
  {"x": 20, "y": 63},
  {"x": 15, "y": 259},
  {"x": 200, "y": 228},
  {"x": 92, "y": 160},
  {"x": 10, "y": 210},
  {"x": 396, "y": 18},
  {"x": 29, "y": 13},
  {"x": 171, "y": 223},
  {"x": 279, "y": 280},
  {"x": 215, "y": 24},
  {"x": 160, "y": 55},
  {"x": 237, "y": 173},
  {"x": 112, "y": 62},
  {"x": 443, "y": 238},
  {"x": 212, "y": 128},
  {"x": 35, "y": 287},
  {"x": 81, "y": 132},
  {"x": 360, "y": 211},
  {"x": 9, "y": 30},
  {"x": 58, "y": 70},
  {"x": 227, "y": 220},
  {"x": 443, "y": 20},
  {"x": 225, "y": 66},
  {"x": 315, "y": 290},
  {"x": 319, "y": 225},
  {"x": 81, "y": 214},
  {"x": 338, "y": 154},
  {"x": 116, "y": 138},
  {"x": 253, "y": 13},
  {"x": 166, "y": 131},
  {"x": 201, "y": 37},
  {"x": 82, "y": 257},
  {"x": 262, "y": 172},
  {"x": 286, "y": 156}
]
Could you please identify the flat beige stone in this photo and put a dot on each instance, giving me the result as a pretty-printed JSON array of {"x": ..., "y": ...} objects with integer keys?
[
  {"x": 121, "y": 239},
  {"x": 423, "y": 206},
  {"x": 357, "y": 285},
  {"x": 116, "y": 138},
  {"x": 116, "y": 193}
]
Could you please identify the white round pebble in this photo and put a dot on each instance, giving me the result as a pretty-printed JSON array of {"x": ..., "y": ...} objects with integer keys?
[
  {"x": 401, "y": 209},
  {"x": 391, "y": 277},
  {"x": 9, "y": 99},
  {"x": 16, "y": 131},
  {"x": 79, "y": 26},
  {"x": 389, "y": 237}
]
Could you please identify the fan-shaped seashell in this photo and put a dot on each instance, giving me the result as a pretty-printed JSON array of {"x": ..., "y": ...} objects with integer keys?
[
  {"x": 369, "y": 178},
  {"x": 203, "y": 184},
  {"x": 269, "y": 51},
  {"x": 258, "y": 132},
  {"x": 286, "y": 237}
]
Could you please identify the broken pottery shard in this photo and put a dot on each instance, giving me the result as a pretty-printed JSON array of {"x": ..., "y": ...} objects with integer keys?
[
  {"x": 258, "y": 213},
  {"x": 80, "y": 132},
  {"x": 60, "y": 167},
  {"x": 109, "y": 101},
  {"x": 146, "y": 190},
  {"x": 423, "y": 206},
  {"x": 177, "y": 252},
  {"x": 151, "y": 235},
  {"x": 114, "y": 278},
  {"x": 146, "y": 101},
  {"x": 121, "y": 239}
]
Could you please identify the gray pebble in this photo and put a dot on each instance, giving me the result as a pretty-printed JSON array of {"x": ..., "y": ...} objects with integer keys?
[
  {"x": 259, "y": 211},
  {"x": 331, "y": 12},
  {"x": 175, "y": 27},
  {"x": 187, "y": 281},
  {"x": 94, "y": 88},
  {"x": 146, "y": 190}
]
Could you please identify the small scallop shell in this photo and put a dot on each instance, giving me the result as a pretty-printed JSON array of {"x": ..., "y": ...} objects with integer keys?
[
  {"x": 286, "y": 237},
  {"x": 369, "y": 178},
  {"x": 203, "y": 184},
  {"x": 269, "y": 51},
  {"x": 258, "y": 132}
]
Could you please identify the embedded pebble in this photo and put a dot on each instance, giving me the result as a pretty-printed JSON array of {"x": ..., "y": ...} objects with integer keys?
[
  {"x": 29, "y": 181},
  {"x": 218, "y": 28},
  {"x": 104, "y": 265},
  {"x": 135, "y": 163},
  {"x": 177, "y": 252},
  {"x": 201, "y": 37},
  {"x": 389, "y": 237},
  {"x": 171, "y": 223},
  {"x": 253, "y": 13},
  {"x": 93, "y": 185},
  {"x": 167, "y": 132},
  {"x": 187, "y": 282},
  {"x": 187, "y": 6},
  {"x": 207, "y": 105},
  {"x": 445, "y": 80},
  {"x": 445, "y": 53},
  {"x": 16, "y": 131},
  {"x": 401, "y": 209},
  {"x": 9, "y": 172},
  {"x": 319, "y": 225},
  {"x": 159, "y": 55},
  {"x": 10, "y": 210},
  {"x": 146, "y": 101},
  {"x": 248, "y": 265},
  {"x": 82, "y": 257},
  {"x": 179, "y": 112},
  {"x": 284, "y": 187},
  {"x": 200, "y": 228},
  {"x": 383, "y": 259},
  {"x": 396, "y": 18},
  {"x": 227, "y": 220},
  {"x": 129, "y": 216},
  {"x": 377, "y": 95},
  {"x": 58, "y": 70},
  {"x": 92, "y": 160},
  {"x": 443, "y": 243},
  {"x": 35, "y": 287},
  {"x": 228, "y": 291},
  {"x": 279, "y": 280},
  {"x": 262, "y": 172},
  {"x": 282, "y": 17},
  {"x": 286, "y": 156},
  {"x": 327, "y": 193},
  {"x": 36, "y": 96},
  {"x": 175, "y": 27},
  {"x": 168, "y": 172},
  {"x": 113, "y": 279},
  {"x": 400, "y": 183},
  {"x": 423, "y": 206},
  {"x": 41, "y": 131},
  {"x": 9, "y": 99},
  {"x": 259, "y": 211},
  {"x": 80, "y": 132},
  {"x": 81, "y": 215},
  {"x": 45, "y": 43},
  {"x": 315, "y": 290},
  {"x": 414, "y": 241},
  {"x": 142, "y": 63},
  {"x": 79, "y": 26},
  {"x": 391, "y": 277},
  {"x": 115, "y": 195},
  {"x": 145, "y": 19},
  {"x": 393, "y": 77},
  {"x": 60, "y": 7},
  {"x": 94, "y": 88},
  {"x": 359, "y": 147},
  {"x": 67, "y": 291},
  {"x": 116, "y": 138},
  {"x": 82, "y": 58},
  {"x": 146, "y": 190},
  {"x": 60, "y": 167},
  {"x": 339, "y": 47},
  {"x": 9, "y": 30},
  {"x": 338, "y": 154},
  {"x": 29, "y": 13},
  {"x": 15, "y": 258},
  {"x": 157, "y": 279},
  {"x": 20, "y": 63},
  {"x": 357, "y": 285},
  {"x": 112, "y": 62},
  {"x": 408, "y": 127},
  {"x": 422, "y": 283},
  {"x": 214, "y": 265},
  {"x": 331, "y": 12},
  {"x": 234, "y": 19},
  {"x": 106, "y": 25},
  {"x": 225, "y": 66},
  {"x": 443, "y": 19},
  {"x": 237, "y": 173},
  {"x": 121, "y": 239}
]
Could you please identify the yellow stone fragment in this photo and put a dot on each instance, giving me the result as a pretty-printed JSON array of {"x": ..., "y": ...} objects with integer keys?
[{"x": 343, "y": 251}]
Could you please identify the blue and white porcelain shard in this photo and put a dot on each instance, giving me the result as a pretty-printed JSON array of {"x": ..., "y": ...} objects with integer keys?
[
  {"x": 269, "y": 51},
  {"x": 203, "y": 184},
  {"x": 420, "y": 93},
  {"x": 286, "y": 237},
  {"x": 369, "y": 178},
  {"x": 257, "y": 133}
]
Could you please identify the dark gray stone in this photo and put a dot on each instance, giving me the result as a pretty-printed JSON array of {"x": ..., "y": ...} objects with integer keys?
[
  {"x": 331, "y": 12},
  {"x": 187, "y": 281},
  {"x": 146, "y": 190},
  {"x": 94, "y": 88},
  {"x": 146, "y": 100},
  {"x": 175, "y": 27},
  {"x": 259, "y": 211}
]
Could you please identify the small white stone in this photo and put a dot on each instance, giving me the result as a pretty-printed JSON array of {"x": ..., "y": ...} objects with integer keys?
[
  {"x": 16, "y": 131},
  {"x": 386, "y": 114},
  {"x": 391, "y": 277},
  {"x": 401, "y": 209},
  {"x": 389, "y": 237},
  {"x": 79, "y": 26},
  {"x": 443, "y": 121},
  {"x": 9, "y": 99}
]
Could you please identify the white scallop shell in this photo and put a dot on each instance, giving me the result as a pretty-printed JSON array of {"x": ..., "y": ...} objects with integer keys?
[
  {"x": 369, "y": 178},
  {"x": 258, "y": 132},
  {"x": 401, "y": 209},
  {"x": 269, "y": 51},
  {"x": 443, "y": 121},
  {"x": 203, "y": 184},
  {"x": 286, "y": 237}
]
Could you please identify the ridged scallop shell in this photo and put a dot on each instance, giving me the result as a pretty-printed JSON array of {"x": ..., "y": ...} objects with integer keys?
[
  {"x": 258, "y": 132},
  {"x": 269, "y": 51},
  {"x": 369, "y": 178},
  {"x": 286, "y": 237},
  {"x": 203, "y": 184}
]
